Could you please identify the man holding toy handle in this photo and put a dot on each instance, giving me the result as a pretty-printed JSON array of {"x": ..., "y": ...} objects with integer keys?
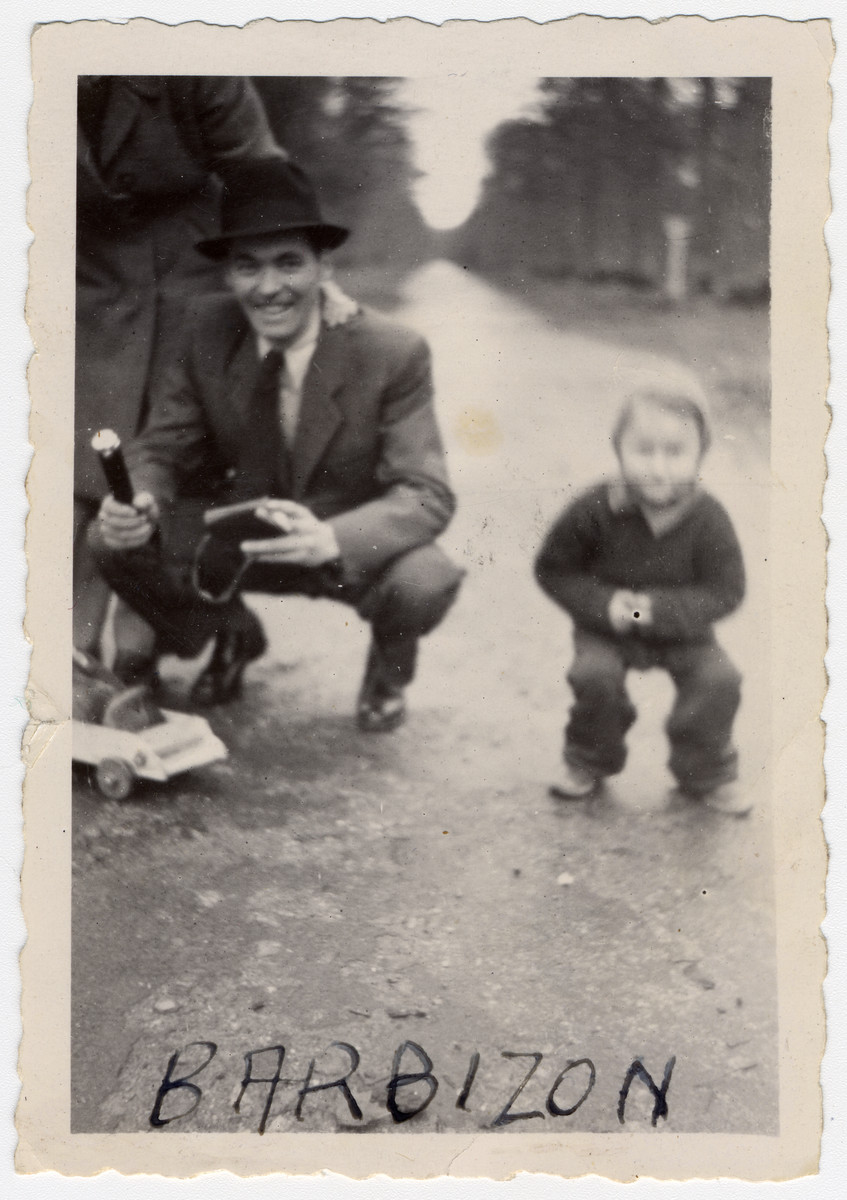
[
  {"x": 285, "y": 454},
  {"x": 303, "y": 541}
]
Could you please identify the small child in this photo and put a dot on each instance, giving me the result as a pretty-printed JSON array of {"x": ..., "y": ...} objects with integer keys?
[{"x": 645, "y": 566}]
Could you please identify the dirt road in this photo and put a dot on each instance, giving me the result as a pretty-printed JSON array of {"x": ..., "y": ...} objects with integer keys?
[{"x": 324, "y": 886}]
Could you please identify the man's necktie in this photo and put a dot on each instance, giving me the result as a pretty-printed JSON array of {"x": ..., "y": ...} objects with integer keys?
[{"x": 268, "y": 450}]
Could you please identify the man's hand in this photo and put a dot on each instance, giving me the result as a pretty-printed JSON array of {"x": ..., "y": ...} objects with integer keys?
[
  {"x": 338, "y": 307},
  {"x": 305, "y": 541},
  {"x": 128, "y": 526}
]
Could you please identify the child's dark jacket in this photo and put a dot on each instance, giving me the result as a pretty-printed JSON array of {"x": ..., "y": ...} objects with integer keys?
[{"x": 602, "y": 542}]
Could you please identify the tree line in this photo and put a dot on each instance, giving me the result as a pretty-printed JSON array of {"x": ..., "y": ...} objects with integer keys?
[{"x": 595, "y": 182}]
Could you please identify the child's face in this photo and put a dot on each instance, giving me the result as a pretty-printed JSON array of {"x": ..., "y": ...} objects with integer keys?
[{"x": 660, "y": 454}]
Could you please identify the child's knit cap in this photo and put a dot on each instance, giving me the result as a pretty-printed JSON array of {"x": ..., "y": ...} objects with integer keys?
[{"x": 670, "y": 388}]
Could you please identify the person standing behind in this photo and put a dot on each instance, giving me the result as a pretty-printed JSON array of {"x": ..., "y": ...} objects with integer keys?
[
  {"x": 149, "y": 151},
  {"x": 645, "y": 566},
  {"x": 326, "y": 434}
]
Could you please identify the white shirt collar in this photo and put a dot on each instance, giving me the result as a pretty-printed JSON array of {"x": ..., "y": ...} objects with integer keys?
[{"x": 622, "y": 500}]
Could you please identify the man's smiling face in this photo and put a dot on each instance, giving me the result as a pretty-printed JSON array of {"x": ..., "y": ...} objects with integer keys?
[{"x": 277, "y": 280}]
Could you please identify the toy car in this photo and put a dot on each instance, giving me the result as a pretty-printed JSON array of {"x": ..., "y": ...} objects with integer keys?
[
  {"x": 125, "y": 736},
  {"x": 120, "y": 756}
]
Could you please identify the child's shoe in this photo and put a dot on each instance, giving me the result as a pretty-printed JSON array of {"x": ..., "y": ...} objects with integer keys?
[
  {"x": 727, "y": 798},
  {"x": 575, "y": 783}
]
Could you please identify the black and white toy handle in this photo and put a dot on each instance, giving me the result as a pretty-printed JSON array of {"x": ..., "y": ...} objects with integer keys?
[{"x": 107, "y": 445}]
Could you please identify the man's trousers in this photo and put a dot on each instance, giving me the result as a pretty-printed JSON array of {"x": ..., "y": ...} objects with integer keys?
[{"x": 402, "y": 602}]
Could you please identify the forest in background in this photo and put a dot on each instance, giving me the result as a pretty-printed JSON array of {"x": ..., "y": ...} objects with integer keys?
[{"x": 583, "y": 188}]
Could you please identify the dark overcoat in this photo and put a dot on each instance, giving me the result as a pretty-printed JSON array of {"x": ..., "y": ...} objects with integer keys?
[{"x": 148, "y": 149}]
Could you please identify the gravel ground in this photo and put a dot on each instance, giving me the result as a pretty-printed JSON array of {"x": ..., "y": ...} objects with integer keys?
[{"x": 323, "y": 886}]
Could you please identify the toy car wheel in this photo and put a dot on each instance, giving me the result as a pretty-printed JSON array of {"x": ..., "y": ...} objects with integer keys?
[{"x": 115, "y": 778}]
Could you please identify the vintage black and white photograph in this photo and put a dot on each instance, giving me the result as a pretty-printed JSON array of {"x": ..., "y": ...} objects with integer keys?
[{"x": 422, "y": 591}]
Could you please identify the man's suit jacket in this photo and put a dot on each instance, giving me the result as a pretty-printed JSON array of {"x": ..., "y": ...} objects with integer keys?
[{"x": 367, "y": 455}]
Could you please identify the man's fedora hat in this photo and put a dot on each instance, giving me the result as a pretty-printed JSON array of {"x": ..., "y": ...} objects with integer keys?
[{"x": 270, "y": 196}]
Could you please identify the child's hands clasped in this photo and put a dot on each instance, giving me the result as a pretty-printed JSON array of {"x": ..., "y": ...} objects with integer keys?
[{"x": 628, "y": 609}]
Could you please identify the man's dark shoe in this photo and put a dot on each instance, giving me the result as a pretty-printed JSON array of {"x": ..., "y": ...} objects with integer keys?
[
  {"x": 220, "y": 681},
  {"x": 381, "y": 706},
  {"x": 381, "y": 714}
]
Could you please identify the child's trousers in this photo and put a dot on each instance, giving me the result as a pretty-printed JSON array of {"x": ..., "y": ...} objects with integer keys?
[{"x": 708, "y": 692}]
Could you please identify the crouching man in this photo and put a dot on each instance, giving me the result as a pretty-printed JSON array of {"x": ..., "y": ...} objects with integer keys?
[{"x": 330, "y": 427}]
